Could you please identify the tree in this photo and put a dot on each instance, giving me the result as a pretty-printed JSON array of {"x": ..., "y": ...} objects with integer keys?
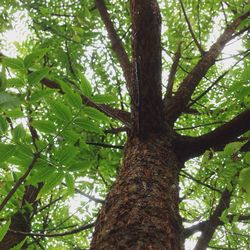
[{"x": 89, "y": 88}]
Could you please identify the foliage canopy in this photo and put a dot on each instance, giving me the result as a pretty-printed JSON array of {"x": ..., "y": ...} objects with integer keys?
[{"x": 64, "y": 108}]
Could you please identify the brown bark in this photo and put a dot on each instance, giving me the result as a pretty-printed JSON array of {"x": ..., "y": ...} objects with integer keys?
[
  {"x": 141, "y": 210},
  {"x": 147, "y": 105},
  {"x": 188, "y": 147}
]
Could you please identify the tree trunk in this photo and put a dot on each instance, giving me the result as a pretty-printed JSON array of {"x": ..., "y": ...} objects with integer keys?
[{"x": 141, "y": 210}]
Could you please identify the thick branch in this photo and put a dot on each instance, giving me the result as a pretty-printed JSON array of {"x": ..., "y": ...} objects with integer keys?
[
  {"x": 187, "y": 87},
  {"x": 188, "y": 147},
  {"x": 118, "y": 114},
  {"x": 116, "y": 42}
]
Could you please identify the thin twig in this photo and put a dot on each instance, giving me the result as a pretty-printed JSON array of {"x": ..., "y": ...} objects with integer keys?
[
  {"x": 104, "y": 145},
  {"x": 191, "y": 30},
  {"x": 90, "y": 197},
  {"x": 189, "y": 176},
  {"x": 215, "y": 82},
  {"x": 74, "y": 231},
  {"x": 199, "y": 126},
  {"x": 172, "y": 73}
]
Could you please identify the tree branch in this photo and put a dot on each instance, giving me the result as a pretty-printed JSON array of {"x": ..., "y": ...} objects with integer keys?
[
  {"x": 213, "y": 222},
  {"x": 114, "y": 113},
  {"x": 104, "y": 145},
  {"x": 19, "y": 182},
  {"x": 172, "y": 74},
  {"x": 191, "y": 30},
  {"x": 189, "y": 176},
  {"x": 115, "y": 130},
  {"x": 201, "y": 226},
  {"x": 215, "y": 82},
  {"x": 116, "y": 42},
  {"x": 188, "y": 147},
  {"x": 121, "y": 115},
  {"x": 188, "y": 85},
  {"x": 90, "y": 197},
  {"x": 74, "y": 231}
]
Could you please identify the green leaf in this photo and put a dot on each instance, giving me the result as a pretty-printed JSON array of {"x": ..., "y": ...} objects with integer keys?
[
  {"x": 70, "y": 183},
  {"x": 224, "y": 217},
  {"x": 9, "y": 101},
  {"x": 15, "y": 82},
  {"x": 104, "y": 98},
  {"x": 95, "y": 114},
  {"x": 14, "y": 113},
  {"x": 71, "y": 136},
  {"x": 64, "y": 85},
  {"x": 66, "y": 154},
  {"x": 24, "y": 153},
  {"x": 233, "y": 147},
  {"x": 36, "y": 76},
  {"x": 85, "y": 85},
  {"x": 76, "y": 38},
  {"x": 14, "y": 63},
  {"x": 61, "y": 111},
  {"x": 3, "y": 125},
  {"x": 4, "y": 229},
  {"x": 52, "y": 181},
  {"x": 30, "y": 59},
  {"x": 18, "y": 132},
  {"x": 80, "y": 166},
  {"x": 247, "y": 158},
  {"x": 86, "y": 124},
  {"x": 244, "y": 179},
  {"x": 44, "y": 126},
  {"x": 73, "y": 99},
  {"x": 40, "y": 174},
  {"x": 18, "y": 246},
  {"x": 38, "y": 95},
  {"x": 78, "y": 30},
  {"x": 3, "y": 80},
  {"x": 7, "y": 150}
]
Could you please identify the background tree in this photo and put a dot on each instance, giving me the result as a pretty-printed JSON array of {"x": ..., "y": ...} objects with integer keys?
[{"x": 94, "y": 78}]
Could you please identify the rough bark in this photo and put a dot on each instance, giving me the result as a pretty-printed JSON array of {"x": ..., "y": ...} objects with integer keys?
[
  {"x": 141, "y": 210},
  {"x": 147, "y": 105}
]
